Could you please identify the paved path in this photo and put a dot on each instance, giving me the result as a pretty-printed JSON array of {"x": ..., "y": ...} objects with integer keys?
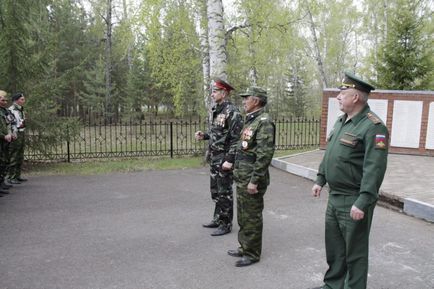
[
  {"x": 143, "y": 231},
  {"x": 408, "y": 180}
]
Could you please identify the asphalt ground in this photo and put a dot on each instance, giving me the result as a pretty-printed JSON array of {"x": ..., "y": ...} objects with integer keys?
[{"x": 143, "y": 231}]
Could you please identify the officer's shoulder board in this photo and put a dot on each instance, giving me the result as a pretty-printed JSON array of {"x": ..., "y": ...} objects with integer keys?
[{"x": 373, "y": 118}]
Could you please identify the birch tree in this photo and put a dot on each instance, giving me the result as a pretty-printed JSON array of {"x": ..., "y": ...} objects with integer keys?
[
  {"x": 316, "y": 49},
  {"x": 330, "y": 39},
  {"x": 108, "y": 59},
  {"x": 216, "y": 38},
  {"x": 204, "y": 49}
]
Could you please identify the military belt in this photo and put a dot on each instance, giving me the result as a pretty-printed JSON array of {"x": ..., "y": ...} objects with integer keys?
[
  {"x": 216, "y": 153},
  {"x": 244, "y": 157}
]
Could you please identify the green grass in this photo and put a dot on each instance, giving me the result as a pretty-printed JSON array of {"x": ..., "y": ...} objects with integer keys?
[
  {"x": 104, "y": 166},
  {"x": 95, "y": 167}
]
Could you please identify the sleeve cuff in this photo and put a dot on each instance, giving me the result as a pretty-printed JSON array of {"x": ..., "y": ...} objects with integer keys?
[
  {"x": 230, "y": 158},
  {"x": 254, "y": 180},
  {"x": 364, "y": 201},
  {"x": 320, "y": 180}
]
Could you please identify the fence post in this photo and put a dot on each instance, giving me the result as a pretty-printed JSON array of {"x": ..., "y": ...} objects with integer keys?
[
  {"x": 171, "y": 140},
  {"x": 67, "y": 144}
]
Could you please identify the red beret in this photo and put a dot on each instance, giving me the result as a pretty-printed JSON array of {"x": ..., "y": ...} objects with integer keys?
[{"x": 221, "y": 84}]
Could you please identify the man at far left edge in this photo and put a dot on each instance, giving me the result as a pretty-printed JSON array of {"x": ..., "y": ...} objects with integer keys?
[{"x": 6, "y": 137}]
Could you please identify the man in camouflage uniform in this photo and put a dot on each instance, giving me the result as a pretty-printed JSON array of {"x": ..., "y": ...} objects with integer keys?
[
  {"x": 354, "y": 165},
  {"x": 6, "y": 120},
  {"x": 252, "y": 178},
  {"x": 223, "y": 135},
  {"x": 16, "y": 148}
]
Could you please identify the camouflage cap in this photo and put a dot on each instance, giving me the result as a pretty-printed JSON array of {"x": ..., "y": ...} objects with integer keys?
[
  {"x": 221, "y": 84},
  {"x": 352, "y": 81},
  {"x": 255, "y": 91},
  {"x": 3, "y": 93}
]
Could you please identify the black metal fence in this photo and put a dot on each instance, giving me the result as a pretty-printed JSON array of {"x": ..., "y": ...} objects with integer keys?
[{"x": 160, "y": 138}]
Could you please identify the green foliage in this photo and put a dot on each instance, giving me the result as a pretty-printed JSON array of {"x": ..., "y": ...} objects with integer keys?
[
  {"x": 93, "y": 95},
  {"x": 46, "y": 130},
  {"x": 174, "y": 59},
  {"x": 14, "y": 44},
  {"x": 138, "y": 89},
  {"x": 406, "y": 58},
  {"x": 297, "y": 103},
  {"x": 70, "y": 52},
  {"x": 53, "y": 50},
  {"x": 332, "y": 33},
  {"x": 28, "y": 46}
]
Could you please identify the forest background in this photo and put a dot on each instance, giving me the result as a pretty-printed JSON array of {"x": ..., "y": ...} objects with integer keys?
[{"x": 131, "y": 59}]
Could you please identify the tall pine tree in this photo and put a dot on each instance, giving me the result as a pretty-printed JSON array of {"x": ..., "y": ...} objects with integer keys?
[{"x": 405, "y": 61}]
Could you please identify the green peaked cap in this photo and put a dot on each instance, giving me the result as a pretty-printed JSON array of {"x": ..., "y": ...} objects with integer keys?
[{"x": 352, "y": 81}]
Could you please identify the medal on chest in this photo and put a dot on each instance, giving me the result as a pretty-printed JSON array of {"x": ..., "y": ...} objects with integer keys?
[
  {"x": 245, "y": 136},
  {"x": 244, "y": 145},
  {"x": 247, "y": 133},
  {"x": 220, "y": 120}
]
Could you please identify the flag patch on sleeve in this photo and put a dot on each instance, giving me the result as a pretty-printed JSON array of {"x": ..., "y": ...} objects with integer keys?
[{"x": 380, "y": 141}]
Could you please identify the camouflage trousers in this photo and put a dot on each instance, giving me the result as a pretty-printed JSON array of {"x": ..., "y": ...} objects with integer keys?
[
  {"x": 221, "y": 192},
  {"x": 4, "y": 159},
  {"x": 249, "y": 215},
  {"x": 16, "y": 156}
]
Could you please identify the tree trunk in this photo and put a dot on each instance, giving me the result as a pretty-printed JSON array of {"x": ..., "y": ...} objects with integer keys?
[
  {"x": 253, "y": 73},
  {"x": 204, "y": 47},
  {"x": 317, "y": 50},
  {"x": 129, "y": 49},
  {"x": 108, "y": 63},
  {"x": 217, "y": 41}
]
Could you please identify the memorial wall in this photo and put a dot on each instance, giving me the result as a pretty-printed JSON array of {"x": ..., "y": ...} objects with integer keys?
[{"x": 409, "y": 116}]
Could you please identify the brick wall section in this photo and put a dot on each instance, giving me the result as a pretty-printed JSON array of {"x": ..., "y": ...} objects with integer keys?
[{"x": 391, "y": 95}]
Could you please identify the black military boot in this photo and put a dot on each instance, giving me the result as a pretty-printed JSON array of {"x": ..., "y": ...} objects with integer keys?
[
  {"x": 14, "y": 181},
  {"x": 245, "y": 261},
  {"x": 5, "y": 186},
  {"x": 212, "y": 224},
  {"x": 20, "y": 179},
  {"x": 235, "y": 253},
  {"x": 4, "y": 192},
  {"x": 222, "y": 230}
]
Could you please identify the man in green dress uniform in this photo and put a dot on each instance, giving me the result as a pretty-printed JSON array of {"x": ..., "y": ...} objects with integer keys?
[
  {"x": 254, "y": 154},
  {"x": 354, "y": 165}
]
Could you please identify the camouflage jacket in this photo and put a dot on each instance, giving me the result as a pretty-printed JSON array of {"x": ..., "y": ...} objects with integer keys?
[
  {"x": 18, "y": 112},
  {"x": 255, "y": 150},
  {"x": 224, "y": 130},
  {"x": 6, "y": 121}
]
